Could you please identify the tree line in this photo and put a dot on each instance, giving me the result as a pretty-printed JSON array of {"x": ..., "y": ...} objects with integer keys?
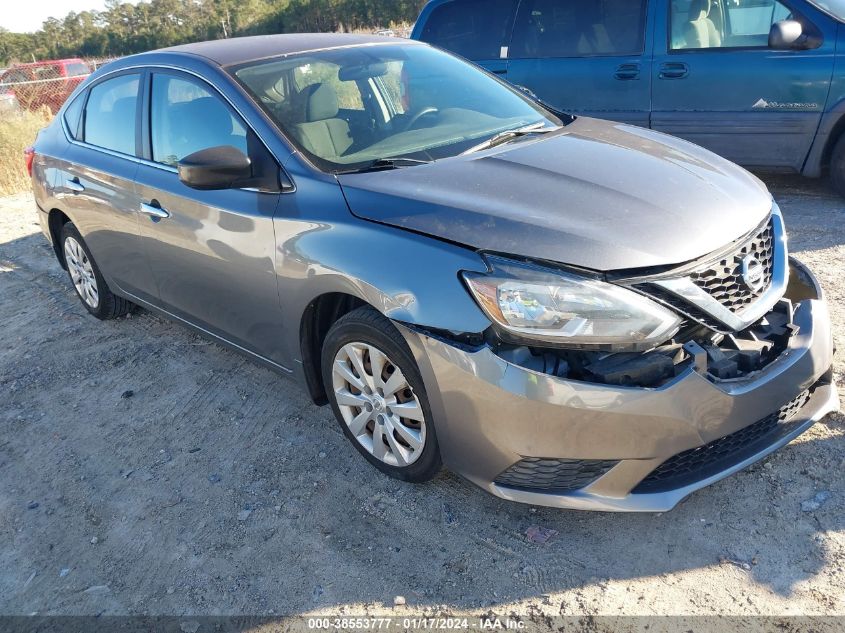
[{"x": 123, "y": 28}]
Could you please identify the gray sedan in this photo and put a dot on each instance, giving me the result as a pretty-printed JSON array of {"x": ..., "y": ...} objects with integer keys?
[{"x": 565, "y": 311}]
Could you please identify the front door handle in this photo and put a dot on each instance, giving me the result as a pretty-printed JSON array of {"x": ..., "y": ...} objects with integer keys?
[
  {"x": 154, "y": 211},
  {"x": 75, "y": 186},
  {"x": 627, "y": 72},
  {"x": 500, "y": 71},
  {"x": 674, "y": 70}
]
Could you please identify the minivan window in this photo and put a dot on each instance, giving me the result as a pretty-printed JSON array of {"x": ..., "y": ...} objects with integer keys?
[
  {"x": 475, "y": 29},
  {"x": 110, "y": 114},
  {"x": 701, "y": 24},
  {"x": 186, "y": 118},
  {"x": 446, "y": 105},
  {"x": 578, "y": 28}
]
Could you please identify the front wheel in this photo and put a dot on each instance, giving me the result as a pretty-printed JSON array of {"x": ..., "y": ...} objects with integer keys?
[
  {"x": 87, "y": 279},
  {"x": 378, "y": 396}
]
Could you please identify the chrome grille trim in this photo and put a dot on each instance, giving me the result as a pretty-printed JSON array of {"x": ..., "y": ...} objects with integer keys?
[{"x": 690, "y": 289}]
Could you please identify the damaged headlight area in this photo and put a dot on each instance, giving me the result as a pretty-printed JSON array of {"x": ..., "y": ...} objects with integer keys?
[
  {"x": 530, "y": 303},
  {"x": 718, "y": 356}
]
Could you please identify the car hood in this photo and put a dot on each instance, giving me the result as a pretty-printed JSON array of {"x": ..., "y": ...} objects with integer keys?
[{"x": 597, "y": 195}]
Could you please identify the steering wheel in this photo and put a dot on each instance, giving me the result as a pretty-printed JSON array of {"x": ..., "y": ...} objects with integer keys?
[{"x": 419, "y": 115}]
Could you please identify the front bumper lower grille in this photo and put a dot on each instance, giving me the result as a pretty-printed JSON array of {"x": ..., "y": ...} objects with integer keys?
[
  {"x": 705, "y": 461},
  {"x": 554, "y": 475}
]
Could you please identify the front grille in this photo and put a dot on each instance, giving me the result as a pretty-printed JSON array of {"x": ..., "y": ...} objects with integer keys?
[
  {"x": 554, "y": 475},
  {"x": 705, "y": 461},
  {"x": 723, "y": 279}
]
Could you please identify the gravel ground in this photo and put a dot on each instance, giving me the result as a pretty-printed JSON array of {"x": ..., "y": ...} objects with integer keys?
[{"x": 144, "y": 470}]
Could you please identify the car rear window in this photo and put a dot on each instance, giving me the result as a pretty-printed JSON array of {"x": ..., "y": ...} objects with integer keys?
[
  {"x": 475, "y": 29},
  {"x": 47, "y": 71},
  {"x": 578, "y": 28},
  {"x": 76, "y": 69}
]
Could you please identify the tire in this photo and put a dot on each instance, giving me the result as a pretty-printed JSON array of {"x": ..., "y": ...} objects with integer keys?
[
  {"x": 837, "y": 166},
  {"x": 85, "y": 275},
  {"x": 370, "y": 409}
]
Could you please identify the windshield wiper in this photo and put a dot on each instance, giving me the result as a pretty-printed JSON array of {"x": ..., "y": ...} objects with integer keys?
[
  {"x": 388, "y": 163},
  {"x": 509, "y": 135}
]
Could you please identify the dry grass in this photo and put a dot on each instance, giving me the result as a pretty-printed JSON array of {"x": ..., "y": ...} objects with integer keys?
[{"x": 17, "y": 132}]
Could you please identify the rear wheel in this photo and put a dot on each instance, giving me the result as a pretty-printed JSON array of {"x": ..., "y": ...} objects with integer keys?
[
  {"x": 837, "y": 166},
  {"x": 378, "y": 396},
  {"x": 87, "y": 280}
]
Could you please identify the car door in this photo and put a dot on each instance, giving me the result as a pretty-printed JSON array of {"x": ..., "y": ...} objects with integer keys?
[
  {"x": 96, "y": 179},
  {"x": 585, "y": 57},
  {"x": 211, "y": 252},
  {"x": 478, "y": 30},
  {"x": 717, "y": 82}
]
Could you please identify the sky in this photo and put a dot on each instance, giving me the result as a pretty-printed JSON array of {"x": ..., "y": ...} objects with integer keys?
[{"x": 25, "y": 17}]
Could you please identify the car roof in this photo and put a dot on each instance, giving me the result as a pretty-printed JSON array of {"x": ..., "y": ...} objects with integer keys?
[{"x": 244, "y": 49}]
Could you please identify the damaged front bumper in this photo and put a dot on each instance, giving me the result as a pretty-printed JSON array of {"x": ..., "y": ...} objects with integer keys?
[{"x": 536, "y": 438}]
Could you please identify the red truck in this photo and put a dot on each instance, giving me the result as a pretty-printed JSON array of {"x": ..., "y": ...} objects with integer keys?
[{"x": 46, "y": 83}]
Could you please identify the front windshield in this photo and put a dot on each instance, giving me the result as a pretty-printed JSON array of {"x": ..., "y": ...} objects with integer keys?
[
  {"x": 836, "y": 8},
  {"x": 347, "y": 108}
]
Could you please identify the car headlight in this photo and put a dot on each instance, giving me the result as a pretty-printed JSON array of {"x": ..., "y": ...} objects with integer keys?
[{"x": 565, "y": 310}]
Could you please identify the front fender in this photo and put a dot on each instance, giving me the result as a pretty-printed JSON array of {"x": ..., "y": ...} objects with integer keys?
[{"x": 407, "y": 277}]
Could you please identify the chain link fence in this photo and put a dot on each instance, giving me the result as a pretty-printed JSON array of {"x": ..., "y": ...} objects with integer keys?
[
  {"x": 42, "y": 86},
  {"x": 30, "y": 96}
]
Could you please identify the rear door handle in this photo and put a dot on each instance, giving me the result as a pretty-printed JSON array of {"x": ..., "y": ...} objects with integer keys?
[
  {"x": 500, "y": 71},
  {"x": 154, "y": 211},
  {"x": 75, "y": 186},
  {"x": 674, "y": 70},
  {"x": 627, "y": 72}
]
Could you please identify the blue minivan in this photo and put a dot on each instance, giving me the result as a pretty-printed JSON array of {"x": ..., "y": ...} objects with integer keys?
[{"x": 757, "y": 81}]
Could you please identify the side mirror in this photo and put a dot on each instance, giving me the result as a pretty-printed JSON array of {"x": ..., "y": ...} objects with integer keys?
[
  {"x": 787, "y": 35},
  {"x": 215, "y": 168}
]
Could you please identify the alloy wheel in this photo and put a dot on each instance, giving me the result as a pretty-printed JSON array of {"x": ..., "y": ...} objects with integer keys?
[
  {"x": 378, "y": 404},
  {"x": 81, "y": 273}
]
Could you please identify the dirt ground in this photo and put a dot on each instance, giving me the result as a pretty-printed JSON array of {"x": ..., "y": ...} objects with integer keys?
[{"x": 144, "y": 470}]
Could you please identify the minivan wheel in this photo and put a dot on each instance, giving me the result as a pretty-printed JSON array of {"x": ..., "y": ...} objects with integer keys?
[
  {"x": 87, "y": 280},
  {"x": 378, "y": 396},
  {"x": 837, "y": 166}
]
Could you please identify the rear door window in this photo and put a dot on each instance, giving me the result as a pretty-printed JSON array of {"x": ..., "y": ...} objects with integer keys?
[
  {"x": 73, "y": 115},
  {"x": 475, "y": 29},
  {"x": 579, "y": 28},
  {"x": 111, "y": 114}
]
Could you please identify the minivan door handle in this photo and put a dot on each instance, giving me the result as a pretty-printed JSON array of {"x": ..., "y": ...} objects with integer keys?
[
  {"x": 674, "y": 70},
  {"x": 75, "y": 186},
  {"x": 154, "y": 211},
  {"x": 627, "y": 72}
]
